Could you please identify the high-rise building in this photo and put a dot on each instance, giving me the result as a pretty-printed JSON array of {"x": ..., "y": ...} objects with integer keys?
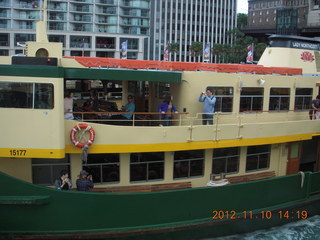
[
  {"x": 97, "y": 28},
  {"x": 187, "y": 21}
]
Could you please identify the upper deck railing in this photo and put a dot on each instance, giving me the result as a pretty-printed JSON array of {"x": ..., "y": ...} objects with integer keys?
[{"x": 184, "y": 118}]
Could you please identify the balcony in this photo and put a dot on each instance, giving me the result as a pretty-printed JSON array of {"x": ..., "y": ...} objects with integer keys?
[
  {"x": 5, "y": 4},
  {"x": 84, "y": 18},
  {"x": 109, "y": 2},
  {"x": 82, "y": 28},
  {"x": 135, "y": 4},
  {"x": 82, "y": 1},
  {"x": 84, "y": 9},
  {"x": 57, "y": 27}
]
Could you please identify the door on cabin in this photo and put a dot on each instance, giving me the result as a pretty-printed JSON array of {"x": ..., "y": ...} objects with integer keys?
[{"x": 294, "y": 155}]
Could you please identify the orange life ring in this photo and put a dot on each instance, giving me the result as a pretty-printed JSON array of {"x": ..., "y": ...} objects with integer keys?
[{"x": 86, "y": 128}]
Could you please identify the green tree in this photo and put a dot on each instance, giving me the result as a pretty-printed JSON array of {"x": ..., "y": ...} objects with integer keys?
[
  {"x": 242, "y": 20},
  {"x": 196, "y": 49},
  {"x": 174, "y": 47},
  {"x": 259, "y": 49}
]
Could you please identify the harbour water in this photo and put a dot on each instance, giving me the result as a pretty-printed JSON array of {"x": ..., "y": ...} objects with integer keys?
[{"x": 308, "y": 229}]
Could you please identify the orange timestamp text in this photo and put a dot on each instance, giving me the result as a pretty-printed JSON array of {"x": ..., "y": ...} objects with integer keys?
[{"x": 285, "y": 214}]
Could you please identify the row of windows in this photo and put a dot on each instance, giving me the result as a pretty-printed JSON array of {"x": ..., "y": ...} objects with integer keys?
[
  {"x": 251, "y": 99},
  {"x": 105, "y": 168},
  {"x": 40, "y": 96}
]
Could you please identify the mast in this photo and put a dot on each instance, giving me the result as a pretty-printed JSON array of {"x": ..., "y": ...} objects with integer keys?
[{"x": 41, "y": 26}]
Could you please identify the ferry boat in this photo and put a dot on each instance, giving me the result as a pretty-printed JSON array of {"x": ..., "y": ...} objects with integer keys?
[{"x": 255, "y": 167}]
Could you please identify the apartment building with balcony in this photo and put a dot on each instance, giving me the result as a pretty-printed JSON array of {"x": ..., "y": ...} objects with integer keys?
[
  {"x": 187, "y": 21},
  {"x": 96, "y": 28},
  {"x": 93, "y": 28}
]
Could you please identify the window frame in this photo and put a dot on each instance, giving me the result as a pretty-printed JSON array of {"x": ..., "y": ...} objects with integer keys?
[
  {"x": 258, "y": 155},
  {"x": 306, "y": 106},
  {"x": 280, "y": 97},
  {"x": 188, "y": 160},
  {"x": 101, "y": 166},
  {"x": 227, "y": 158},
  {"x": 147, "y": 163},
  {"x": 251, "y": 99},
  {"x": 64, "y": 165}
]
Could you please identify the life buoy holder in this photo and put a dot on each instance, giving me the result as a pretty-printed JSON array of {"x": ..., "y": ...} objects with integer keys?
[{"x": 84, "y": 128}]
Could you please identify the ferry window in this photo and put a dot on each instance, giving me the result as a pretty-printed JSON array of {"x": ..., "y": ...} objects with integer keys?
[
  {"x": 103, "y": 167},
  {"x": 146, "y": 166},
  {"x": 26, "y": 95},
  {"x": 224, "y": 96},
  {"x": 258, "y": 157},
  {"x": 43, "y": 96},
  {"x": 46, "y": 171},
  {"x": 16, "y": 95},
  {"x": 188, "y": 164},
  {"x": 279, "y": 99},
  {"x": 251, "y": 99},
  {"x": 303, "y": 98},
  {"x": 225, "y": 160}
]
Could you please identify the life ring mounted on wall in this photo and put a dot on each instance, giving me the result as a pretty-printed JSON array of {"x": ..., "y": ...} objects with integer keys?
[{"x": 82, "y": 135}]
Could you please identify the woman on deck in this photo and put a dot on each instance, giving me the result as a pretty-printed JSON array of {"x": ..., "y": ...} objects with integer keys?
[{"x": 166, "y": 108}]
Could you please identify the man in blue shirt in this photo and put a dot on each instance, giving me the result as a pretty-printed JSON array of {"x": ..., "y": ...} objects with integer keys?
[
  {"x": 208, "y": 107},
  {"x": 129, "y": 107}
]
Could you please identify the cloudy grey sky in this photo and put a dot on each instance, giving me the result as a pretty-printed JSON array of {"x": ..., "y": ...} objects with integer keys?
[{"x": 242, "y": 6}]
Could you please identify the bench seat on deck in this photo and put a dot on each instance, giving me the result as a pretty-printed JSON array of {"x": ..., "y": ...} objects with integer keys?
[
  {"x": 252, "y": 177},
  {"x": 143, "y": 188}
]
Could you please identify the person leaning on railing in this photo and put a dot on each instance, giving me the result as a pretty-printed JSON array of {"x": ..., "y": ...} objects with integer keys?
[
  {"x": 166, "y": 108},
  {"x": 314, "y": 113}
]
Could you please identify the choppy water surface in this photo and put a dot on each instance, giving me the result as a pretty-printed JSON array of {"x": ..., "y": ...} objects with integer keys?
[{"x": 308, "y": 229}]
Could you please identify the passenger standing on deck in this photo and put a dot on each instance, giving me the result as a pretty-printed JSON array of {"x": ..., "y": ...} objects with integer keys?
[
  {"x": 84, "y": 182},
  {"x": 208, "y": 107},
  {"x": 68, "y": 106},
  {"x": 315, "y": 108},
  {"x": 166, "y": 108},
  {"x": 63, "y": 183}
]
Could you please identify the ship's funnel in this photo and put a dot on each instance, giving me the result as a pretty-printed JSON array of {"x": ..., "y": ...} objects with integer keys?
[{"x": 294, "y": 52}]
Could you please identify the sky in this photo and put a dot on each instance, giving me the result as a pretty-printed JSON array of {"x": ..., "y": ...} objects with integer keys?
[{"x": 242, "y": 6}]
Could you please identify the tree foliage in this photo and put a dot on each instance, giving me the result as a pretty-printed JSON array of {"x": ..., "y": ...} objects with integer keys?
[
  {"x": 196, "y": 49},
  {"x": 237, "y": 52},
  {"x": 174, "y": 47}
]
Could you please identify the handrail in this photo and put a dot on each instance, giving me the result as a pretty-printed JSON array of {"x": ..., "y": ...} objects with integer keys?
[{"x": 239, "y": 118}]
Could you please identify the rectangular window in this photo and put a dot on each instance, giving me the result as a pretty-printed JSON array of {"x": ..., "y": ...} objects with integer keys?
[
  {"x": 279, "y": 99},
  {"x": 104, "y": 168},
  {"x": 225, "y": 160},
  {"x": 26, "y": 95},
  {"x": 224, "y": 98},
  {"x": 146, "y": 166},
  {"x": 258, "y": 157},
  {"x": 303, "y": 98},
  {"x": 46, "y": 171},
  {"x": 251, "y": 99},
  {"x": 188, "y": 164}
]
